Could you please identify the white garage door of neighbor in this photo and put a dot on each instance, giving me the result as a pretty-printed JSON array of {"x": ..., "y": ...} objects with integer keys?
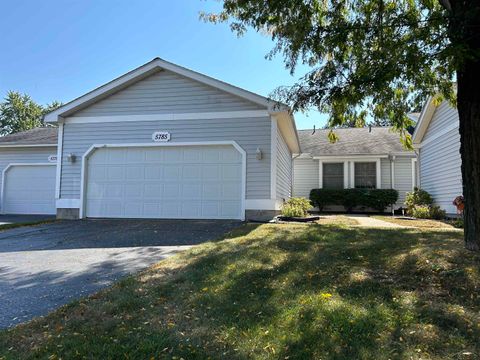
[
  {"x": 170, "y": 182},
  {"x": 29, "y": 189}
]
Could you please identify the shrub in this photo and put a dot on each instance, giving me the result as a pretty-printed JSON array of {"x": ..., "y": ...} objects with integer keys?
[
  {"x": 419, "y": 204},
  {"x": 458, "y": 223},
  {"x": 437, "y": 213},
  {"x": 296, "y": 207},
  {"x": 418, "y": 197},
  {"x": 377, "y": 199},
  {"x": 420, "y": 212}
]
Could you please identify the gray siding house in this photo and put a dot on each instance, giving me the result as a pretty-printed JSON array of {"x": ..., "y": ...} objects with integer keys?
[
  {"x": 362, "y": 157},
  {"x": 27, "y": 165},
  {"x": 437, "y": 141},
  {"x": 163, "y": 141}
]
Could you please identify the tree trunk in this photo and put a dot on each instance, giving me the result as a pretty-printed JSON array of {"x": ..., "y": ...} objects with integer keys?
[{"x": 465, "y": 31}]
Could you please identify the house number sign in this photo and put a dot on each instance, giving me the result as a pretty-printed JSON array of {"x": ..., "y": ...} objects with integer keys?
[{"x": 161, "y": 136}]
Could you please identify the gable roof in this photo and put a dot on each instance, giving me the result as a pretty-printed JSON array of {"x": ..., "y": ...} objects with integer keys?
[
  {"x": 46, "y": 136},
  {"x": 145, "y": 71},
  {"x": 352, "y": 141},
  {"x": 424, "y": 120}
]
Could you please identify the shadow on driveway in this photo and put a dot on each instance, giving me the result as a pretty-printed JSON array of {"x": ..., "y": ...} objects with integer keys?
[{"x": 46, "y": 266}]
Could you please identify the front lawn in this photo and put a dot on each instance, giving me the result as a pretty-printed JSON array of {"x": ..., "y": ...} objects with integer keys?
[
  {"x": 418, "y": 223},
  {"x": 279, "y": 292}
]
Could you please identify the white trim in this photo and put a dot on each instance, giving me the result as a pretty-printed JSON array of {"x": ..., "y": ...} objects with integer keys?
[
  {"x": 26, "y": 145},
  {"x": 146, "y": 70},
  {"x": 172, "y": 116},
  {"x": 345, "y": 174},
  {"x": 4, "y": 172},
  {"x": 67, "y": 203},
  {"x": 423, "y": 120},
  {"x": 273, "y": 158},
  {"x": 444, "y": 131},
  {"x": 350, "y": 157},
  {"x": 403, "y": 153},
  {"x": 378, "y": 169},
  {"x": 392, "y": 172},
  {"x": 332, "y": 161},
  {"x": 414, "y": 173},
  {"x": 59, "y": 161},
  {"x": 352, "y": 174},
  {"x": 262, "y": 204},
  {"x": 320, "y": 174},
  {"x": 92, "y": 148},
  {"x": 379, "y": 174}
]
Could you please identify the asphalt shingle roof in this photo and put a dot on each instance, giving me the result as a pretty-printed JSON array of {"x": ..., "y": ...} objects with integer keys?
[
  {"x": 37, "y": 136},
  {"x": 352, "y": 141}
]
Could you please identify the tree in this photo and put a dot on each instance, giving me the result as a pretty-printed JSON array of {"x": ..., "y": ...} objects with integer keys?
[
  {"x": 381, "y": 56},
  {"x": 19, "y": 112}
]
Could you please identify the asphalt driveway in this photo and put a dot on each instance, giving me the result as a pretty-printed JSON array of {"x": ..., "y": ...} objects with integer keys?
[{"x": 43, "y": 267}]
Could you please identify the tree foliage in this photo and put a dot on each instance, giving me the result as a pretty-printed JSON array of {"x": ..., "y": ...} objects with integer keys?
[
  {"x": 375, "y": 57},
  {"x": 18, "y": 112}
]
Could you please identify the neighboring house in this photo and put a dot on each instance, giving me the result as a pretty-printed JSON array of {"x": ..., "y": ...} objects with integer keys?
[
  {"x": 437, "y": 141},
  {"x": 362, "y": 158},
  {"x": 27, "y": 163},
  {"x": 163, "y": 141}
]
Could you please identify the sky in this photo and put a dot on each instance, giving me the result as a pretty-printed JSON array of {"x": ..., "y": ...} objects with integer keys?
[{"x": 61, "y": 49}]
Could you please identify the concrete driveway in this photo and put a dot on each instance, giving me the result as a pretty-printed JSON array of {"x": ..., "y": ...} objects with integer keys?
[{"x": 43, "y": 267}]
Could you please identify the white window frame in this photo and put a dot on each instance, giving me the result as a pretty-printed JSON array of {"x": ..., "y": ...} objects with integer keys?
[
  {"x": 349, "y": 168},
  {"x": 332, "y": 161}
]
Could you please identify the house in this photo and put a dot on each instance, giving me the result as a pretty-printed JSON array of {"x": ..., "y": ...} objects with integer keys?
[
  {"x": 163, "y": 141},
  {"x": 437, "y": 141},
  {"x": 371, "y": 157},
  {"x": 27, "y": 164}
]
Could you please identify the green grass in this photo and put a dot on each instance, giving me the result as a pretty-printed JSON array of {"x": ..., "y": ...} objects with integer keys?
[
  {"x": 279, "y": 292},
  {"x": 418, "y": 223}
]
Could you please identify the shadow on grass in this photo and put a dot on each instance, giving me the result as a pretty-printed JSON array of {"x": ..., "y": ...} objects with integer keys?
[{"x": 289, "y": 291}]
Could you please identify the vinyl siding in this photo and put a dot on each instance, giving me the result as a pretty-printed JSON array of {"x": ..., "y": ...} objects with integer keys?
[
  {"x": 284, "y": 168},
  {"x": 440, "y": 161},
  {"x": 24, "y": 155},
  {"x": 403, "y": 177},
  {"x": 385, "y": 174},
  {"x": 166, "y": 93},
  {"x": 79, "y": 137},
  {"x": 444, "y": 116},
  {"x": 305, "y": 176}
]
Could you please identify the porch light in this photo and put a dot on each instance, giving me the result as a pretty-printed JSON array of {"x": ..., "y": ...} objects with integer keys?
[
  {"x": 71, "y": 158},
  {"x": 259, "y": 154}
]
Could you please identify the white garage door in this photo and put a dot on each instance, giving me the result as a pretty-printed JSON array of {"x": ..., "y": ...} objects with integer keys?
[
  {"x": 29, "y": 189},
  {"x": 172, "y": 182}
]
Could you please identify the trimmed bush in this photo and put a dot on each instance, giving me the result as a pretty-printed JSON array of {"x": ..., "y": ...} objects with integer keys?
[
  {"x": 296, "y": 207},
  {"x": 377, "y": 199}
]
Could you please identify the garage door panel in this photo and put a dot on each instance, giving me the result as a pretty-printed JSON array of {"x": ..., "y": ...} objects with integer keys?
[
  {"x": 115, "y": 173},
  {"x": 166, "y": 182},
  {"x": 192, "y": 172},
  {"x": 171, "y": 172},
  {"x": 135, "y": 155},
  {"x": 133, "y": 172},
  {"x": 29, "y": 189}
]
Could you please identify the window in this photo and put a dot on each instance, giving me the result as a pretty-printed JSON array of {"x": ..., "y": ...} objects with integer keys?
[
  {"x": 332, "y": 175},
  {"x": 365, "y": 175}
]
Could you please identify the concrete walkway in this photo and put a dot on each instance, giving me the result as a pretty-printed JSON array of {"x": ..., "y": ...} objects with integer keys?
[{"x": 367, "y": 221}]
